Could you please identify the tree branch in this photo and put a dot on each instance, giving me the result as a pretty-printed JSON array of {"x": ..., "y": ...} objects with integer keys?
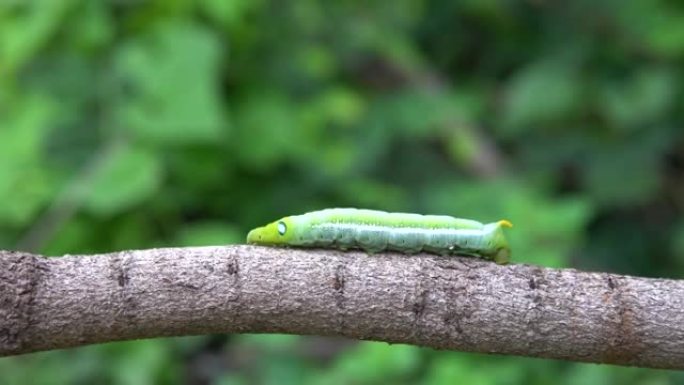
[{"x": 445, "y": 303}]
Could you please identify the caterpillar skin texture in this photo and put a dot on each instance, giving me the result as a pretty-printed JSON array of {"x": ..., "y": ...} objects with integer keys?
[{"x": 375, "y": 231}]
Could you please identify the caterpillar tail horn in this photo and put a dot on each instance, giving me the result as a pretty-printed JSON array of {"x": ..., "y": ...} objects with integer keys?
[{"x": 505, "y": 223}]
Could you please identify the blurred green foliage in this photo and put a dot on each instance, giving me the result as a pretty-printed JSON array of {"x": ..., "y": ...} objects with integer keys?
[{"x": 132, "y": 124}]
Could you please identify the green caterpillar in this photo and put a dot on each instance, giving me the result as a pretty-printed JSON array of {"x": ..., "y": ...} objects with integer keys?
[{"x": 375, "y": 231}]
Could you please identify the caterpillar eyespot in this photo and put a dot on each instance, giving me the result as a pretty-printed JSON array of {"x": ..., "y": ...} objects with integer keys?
[
  {"x": 375, "y": 231},
  {"x": 282, "y": 228}
]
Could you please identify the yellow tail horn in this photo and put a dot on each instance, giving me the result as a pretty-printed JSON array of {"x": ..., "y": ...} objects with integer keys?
[{"x": 505, "y": 223}]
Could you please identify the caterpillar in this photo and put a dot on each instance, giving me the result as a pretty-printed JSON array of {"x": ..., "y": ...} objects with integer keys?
[{"x": 375, "y": 231}]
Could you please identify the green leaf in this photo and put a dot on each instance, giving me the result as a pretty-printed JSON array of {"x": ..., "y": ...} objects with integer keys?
[
  {"x": 227, "y": 13},
  {"x": 170, "y": 85},
  {"x": 26, "y": 181},
  {"x": 659, "y": 25},
  {"x": 377, "y": 362},
  {"x": 267, "y": 131},
  {"x": 25, "y": 27},
  {"x": 641, "y": 100},
  {"x": 93, "y": 26},
  {"x": 127, "y": 177},
  {"x": 544, "y": 92},
  {"x": 450, "y": 368},
  {"x": 141, "y": 362},
  {"x": 318, "y": 62}
]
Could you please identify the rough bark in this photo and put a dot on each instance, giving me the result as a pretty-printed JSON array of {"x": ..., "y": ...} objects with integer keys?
[{"x": 445, "y": 303}]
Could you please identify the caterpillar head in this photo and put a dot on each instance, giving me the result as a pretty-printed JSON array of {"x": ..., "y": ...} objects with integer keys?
[{"x": 280, "y": 232}]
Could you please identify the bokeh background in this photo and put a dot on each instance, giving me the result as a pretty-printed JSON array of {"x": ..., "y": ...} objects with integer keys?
[{"x": 134, "y": 124}]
